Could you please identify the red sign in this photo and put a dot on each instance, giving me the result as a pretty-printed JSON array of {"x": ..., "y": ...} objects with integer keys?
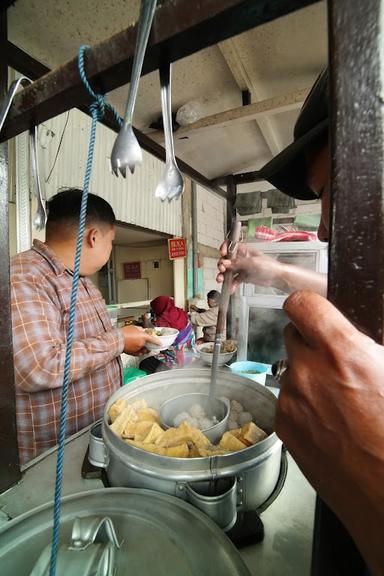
[
  {"x": 132, "y": 270},
  {"x": 177, "y": 248}
]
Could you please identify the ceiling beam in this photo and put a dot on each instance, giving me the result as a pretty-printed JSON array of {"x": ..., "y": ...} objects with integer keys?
[
  {"x": 233, "y": 59},
  {"x": 254, "y": 111},
  {"x": 180, "y": 28},
  {"x": 33, "y": 69}
]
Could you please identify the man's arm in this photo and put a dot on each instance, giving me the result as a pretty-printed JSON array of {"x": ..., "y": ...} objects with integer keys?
[
  {"x": 254, "y": 267},
  {"x": 330, "y": 416},
  {"x": 39, "y": 347}
]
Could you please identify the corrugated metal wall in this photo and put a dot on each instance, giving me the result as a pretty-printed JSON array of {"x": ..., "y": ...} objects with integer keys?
[{"x": 132, "y": 198}]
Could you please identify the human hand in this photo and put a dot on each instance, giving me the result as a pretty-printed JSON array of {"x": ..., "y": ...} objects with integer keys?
[
  {"x": 193, "y": 308},
  {"x": 135, "y": 339},
  {"x": 330, "y": 416},
  {"x": 249, "y": 266}
]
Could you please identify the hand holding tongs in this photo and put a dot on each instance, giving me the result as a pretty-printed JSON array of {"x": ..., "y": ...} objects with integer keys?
[
  {"x": 126, "y": 150},
  {"x": 40, "y": 217},
  {"x": 233, "y": 241}
]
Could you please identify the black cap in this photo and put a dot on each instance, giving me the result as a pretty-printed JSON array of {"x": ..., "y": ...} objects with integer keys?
[{"x": 287, "y": 170}]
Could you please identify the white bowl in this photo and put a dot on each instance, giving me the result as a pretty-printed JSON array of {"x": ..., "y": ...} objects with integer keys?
[
  {"x": 207, "y": 357},
  {"x": 167, "y": 337}
]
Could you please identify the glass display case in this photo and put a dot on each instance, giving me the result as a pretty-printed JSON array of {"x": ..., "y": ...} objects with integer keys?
[{"x": 258, "y": 313}]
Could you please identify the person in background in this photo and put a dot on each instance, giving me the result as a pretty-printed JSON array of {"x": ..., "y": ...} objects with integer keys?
[
  {"x": 41, "y": 283},
  {"x": 207, "y": 319},
  {"x": 331, "y": 403},
  {"x": 166, "y": 315}
]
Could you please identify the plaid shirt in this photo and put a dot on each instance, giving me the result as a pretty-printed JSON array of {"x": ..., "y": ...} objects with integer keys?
[{"x": 41, "y": 290}]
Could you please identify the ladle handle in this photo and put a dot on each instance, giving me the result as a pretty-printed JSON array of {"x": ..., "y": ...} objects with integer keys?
[{"x": 233, "y": 240}]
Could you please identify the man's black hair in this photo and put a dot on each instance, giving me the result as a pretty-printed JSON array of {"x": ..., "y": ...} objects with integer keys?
[
  {"x": 213, "y": 295},
  {"x": 64, "y": 209}
]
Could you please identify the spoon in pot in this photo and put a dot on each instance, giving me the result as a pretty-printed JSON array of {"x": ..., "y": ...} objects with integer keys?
[{"x": 233, "y": 240}]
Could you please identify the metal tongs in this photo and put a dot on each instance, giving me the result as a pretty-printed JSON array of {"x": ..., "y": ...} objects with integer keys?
[
  {"x": 233, "y": 241},
  {"x": 40, "y": 217}
]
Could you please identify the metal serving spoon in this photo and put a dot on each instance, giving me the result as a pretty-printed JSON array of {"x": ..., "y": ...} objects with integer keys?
[
  {"x": 126, "y": 150},
  {"x": 40, "y": 218},
  {"x": 171, "y": 186}
]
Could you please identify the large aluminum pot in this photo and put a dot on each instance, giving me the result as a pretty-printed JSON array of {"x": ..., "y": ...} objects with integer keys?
[{"x": 219, "y": 485}]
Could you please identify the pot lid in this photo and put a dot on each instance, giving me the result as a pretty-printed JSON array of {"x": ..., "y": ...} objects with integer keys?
[{"x": 156, "y": 534}]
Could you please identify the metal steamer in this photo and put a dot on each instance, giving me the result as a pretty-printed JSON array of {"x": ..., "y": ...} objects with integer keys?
[{"x": 220, "y": 486}]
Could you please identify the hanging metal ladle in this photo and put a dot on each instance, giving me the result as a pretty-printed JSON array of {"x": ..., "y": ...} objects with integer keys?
[
  {"x": 40, "y": 217},
  {"x": 126, "y": 151}
]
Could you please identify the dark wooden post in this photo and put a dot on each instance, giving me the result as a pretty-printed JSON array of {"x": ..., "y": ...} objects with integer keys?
[
  {"x": 9, "y": 463},
  {"x": 356, "y": 274}
]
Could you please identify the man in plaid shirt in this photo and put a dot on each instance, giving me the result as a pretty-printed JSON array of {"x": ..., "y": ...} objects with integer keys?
[{"x": 41, "y": 282}]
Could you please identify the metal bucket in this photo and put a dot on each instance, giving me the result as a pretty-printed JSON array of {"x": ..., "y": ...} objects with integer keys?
[{"x": 253, "y": 472}]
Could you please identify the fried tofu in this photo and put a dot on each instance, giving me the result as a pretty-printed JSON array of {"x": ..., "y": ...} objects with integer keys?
[
  {"x": 212, "y": 451},
  {"x": 155, "y": 432},
  {"x": 126, "y": 416},
  {"x": 184, "y": 433},
  {"x": 116, "y": 409},
  {"x": 236, "y": 432},
  {"x": 230, "y": 443},
  {"x": 252, "y": 434},
  {"x": 148, "y": 447},
  {"x": 142, "y": 430},
  {"x": 139, "y": 405},
  {"x": 180, "y": 451},
  {"x": 148, "y": 414}
]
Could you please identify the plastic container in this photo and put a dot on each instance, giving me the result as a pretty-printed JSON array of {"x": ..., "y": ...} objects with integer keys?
[
  {"x": 112, "y": 311},
  {"x": 130, "y": 374},
  {"x": 255, "y": 371}
]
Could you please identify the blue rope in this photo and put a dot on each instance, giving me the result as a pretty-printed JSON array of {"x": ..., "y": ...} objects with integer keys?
[{"x": 97, "y": 109}]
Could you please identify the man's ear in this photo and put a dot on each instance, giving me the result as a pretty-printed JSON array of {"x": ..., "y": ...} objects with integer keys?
[{"x": 91, "y": 235}]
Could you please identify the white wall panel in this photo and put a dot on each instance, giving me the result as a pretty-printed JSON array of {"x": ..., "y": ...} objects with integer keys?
[
  {"x": 132, "y": 198},
  {"x": 210, "y": 218}
]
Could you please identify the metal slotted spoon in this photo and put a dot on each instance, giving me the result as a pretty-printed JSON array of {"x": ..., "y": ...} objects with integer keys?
[
  {"x": 126, "y": 150},
  {"x": 171, "y": 186}
]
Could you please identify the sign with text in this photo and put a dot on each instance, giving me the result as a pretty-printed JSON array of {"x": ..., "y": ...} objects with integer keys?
[
  {"x": 132, "y": 270},
  {"x": 177, "y": 248}
]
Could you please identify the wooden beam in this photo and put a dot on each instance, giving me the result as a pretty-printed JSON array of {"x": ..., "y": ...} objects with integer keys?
[
  {"x": 244, "y": 81},
  {"x": 9, "y": 459},
  {"x": 356, "y": 274},
  {"x": 246, "y": 113},
  {"x": 28, "y": 66},
  {"x": 180, "y": 28}
]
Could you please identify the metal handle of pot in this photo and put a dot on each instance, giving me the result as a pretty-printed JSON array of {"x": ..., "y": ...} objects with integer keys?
[
  {"x": 97, "y": 455},
  {"x": 216, "y": 498},
  {"x": 92, "y": 550}
]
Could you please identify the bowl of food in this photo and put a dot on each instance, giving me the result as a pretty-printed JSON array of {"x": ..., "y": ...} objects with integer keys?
[
  {"x": 256, "y": 371},
  {"x": 167, "y": 336},
  {"x": 227, "y": 351}
]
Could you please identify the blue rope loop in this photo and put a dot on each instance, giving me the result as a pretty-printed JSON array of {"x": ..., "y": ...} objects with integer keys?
[
  {"x": 100, "y": 100},
  {"x": 97, "y": 109}
]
